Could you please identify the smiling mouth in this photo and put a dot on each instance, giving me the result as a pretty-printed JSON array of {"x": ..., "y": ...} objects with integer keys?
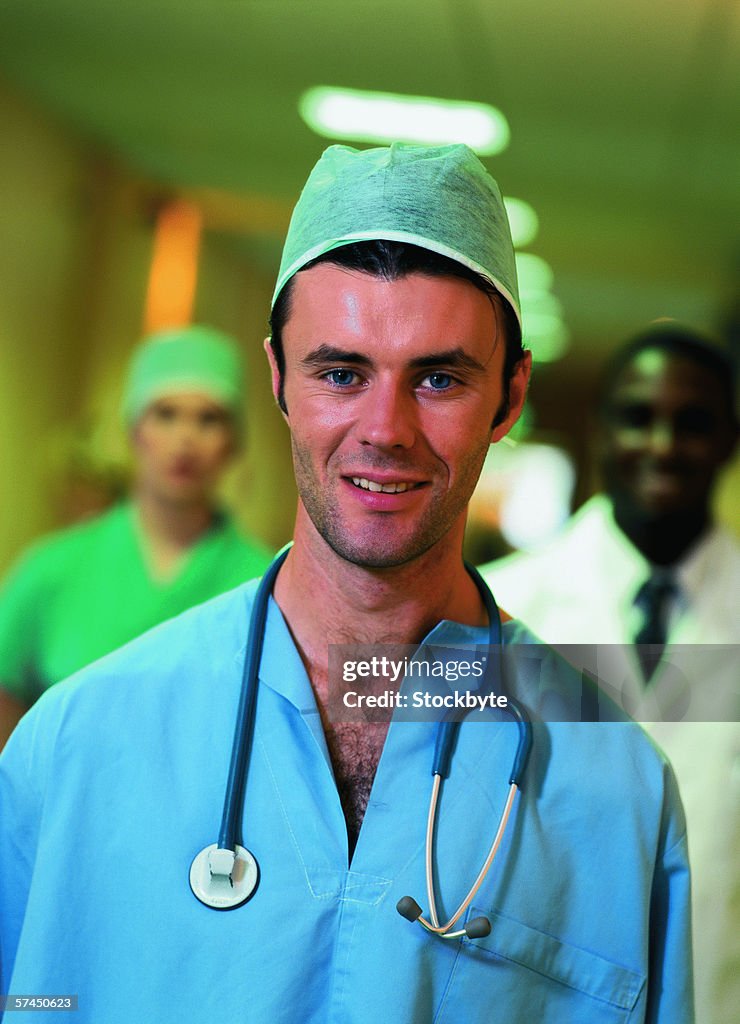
[
  {"x": 394, "y": 488},
  {"x": 662, "y": 474}
]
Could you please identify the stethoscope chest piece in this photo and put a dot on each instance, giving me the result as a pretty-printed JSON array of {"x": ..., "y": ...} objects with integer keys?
[{"x": 223, "y": 880}]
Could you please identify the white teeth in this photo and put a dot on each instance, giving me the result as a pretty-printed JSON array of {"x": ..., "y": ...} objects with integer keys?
[{"x": 373, "y": 485}]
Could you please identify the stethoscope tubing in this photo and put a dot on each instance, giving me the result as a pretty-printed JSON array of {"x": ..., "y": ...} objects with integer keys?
[
  {"x": 230, "y": 832},
  {"x": 229, "y": 838},
  {"x": 433, "y": 924},
  {"x": 441, "y": 767}
]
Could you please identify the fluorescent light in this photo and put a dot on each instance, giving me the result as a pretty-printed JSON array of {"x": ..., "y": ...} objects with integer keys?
[
  {"x": 534, "y": 273},
  {"x": 523, "y": 221},
  {"x": 542, "y": 323},
  {"x": 541, "y": 302},
  {"x": 546, "y": 335},
  {"x": 525, "y": 491},
  {"x": 384, "y": 117},
  {"x": 538, "y": 503}
]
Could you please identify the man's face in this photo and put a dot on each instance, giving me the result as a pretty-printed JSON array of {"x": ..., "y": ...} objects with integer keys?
[
  {"x": 391, "y": 389},
  {"x": 667, "y": 434},
  {"x": 181, "y": 445}
]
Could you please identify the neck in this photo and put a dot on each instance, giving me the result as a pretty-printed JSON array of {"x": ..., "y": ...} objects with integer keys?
[
  {"x": 326, "y": 599},
  {"x": 169, "y": 525},
  {"x": 663, "y": 540}
]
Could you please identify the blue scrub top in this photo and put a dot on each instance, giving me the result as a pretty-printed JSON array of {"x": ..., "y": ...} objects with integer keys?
[{"x": 115, "y": 780}]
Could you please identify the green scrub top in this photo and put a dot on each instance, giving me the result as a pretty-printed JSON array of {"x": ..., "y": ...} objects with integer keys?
[{"x": 83, "y": 592}]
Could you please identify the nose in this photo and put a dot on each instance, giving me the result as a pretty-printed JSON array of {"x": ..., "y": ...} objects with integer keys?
[
  {"x": 388, "y": 417},
  {"x": 186, "y": 432},
  {"x": 662, "y": 438}
]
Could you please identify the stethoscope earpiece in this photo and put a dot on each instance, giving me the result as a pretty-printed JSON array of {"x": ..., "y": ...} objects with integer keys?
[
  {"x": 478, "y": 928},
  {"x": 408, "y": 907}
]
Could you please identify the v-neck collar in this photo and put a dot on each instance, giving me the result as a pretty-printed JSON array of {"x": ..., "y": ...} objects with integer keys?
[{"x": 401, "y": 780}]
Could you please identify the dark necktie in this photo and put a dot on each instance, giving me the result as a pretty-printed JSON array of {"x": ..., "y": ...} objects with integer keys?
[{"x": 653, "y": 599}]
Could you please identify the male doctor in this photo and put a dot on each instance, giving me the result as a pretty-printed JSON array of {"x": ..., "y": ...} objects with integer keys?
[{"x": 396, "y": 360}]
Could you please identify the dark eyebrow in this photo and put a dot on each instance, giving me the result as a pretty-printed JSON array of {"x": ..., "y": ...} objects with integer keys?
[
  {"x": 453, "y": 357},
  {"x": 329, "y": 354}
]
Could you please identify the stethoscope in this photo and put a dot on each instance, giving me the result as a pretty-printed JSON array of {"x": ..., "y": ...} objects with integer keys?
[{"x": 225, "y": 874}]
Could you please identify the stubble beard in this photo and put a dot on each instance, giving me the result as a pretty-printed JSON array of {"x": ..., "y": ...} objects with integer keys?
[{"x": 379, "y": 546}]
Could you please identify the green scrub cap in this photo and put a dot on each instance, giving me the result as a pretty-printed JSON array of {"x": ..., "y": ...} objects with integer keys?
[
  {"x": 189, "y": 358},
  {"x": 438, "y": 197}
]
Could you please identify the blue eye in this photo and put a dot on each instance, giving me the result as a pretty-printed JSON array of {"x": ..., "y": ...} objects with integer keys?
[
  {"x": 341, "y": 378},
  {"x": 439, "y": 381}
]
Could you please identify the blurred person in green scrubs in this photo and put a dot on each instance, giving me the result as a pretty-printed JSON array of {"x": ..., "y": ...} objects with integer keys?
[{"x": 84, "y": 591}]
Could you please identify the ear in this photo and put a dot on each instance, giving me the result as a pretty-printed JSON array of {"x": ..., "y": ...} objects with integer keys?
[
  {"x": 274, "y": 371},
  {"x": 517, "y": 395}
]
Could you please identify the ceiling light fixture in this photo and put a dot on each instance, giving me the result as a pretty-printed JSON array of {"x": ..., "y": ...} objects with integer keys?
[
  {"x": 523, "y": 221},
  {"x": 533, "y": 273},
  {"x": 382, "y": 117},
  {"x": 546, "y": 336}
]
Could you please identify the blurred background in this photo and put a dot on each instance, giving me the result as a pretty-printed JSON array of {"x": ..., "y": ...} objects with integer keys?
[{"x": 152, "y": 151}]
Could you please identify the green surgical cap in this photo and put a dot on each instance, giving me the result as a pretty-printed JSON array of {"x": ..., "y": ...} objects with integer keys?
[
  {"x": 191, "y": 358},
  {"x": 438, "y": 197}
]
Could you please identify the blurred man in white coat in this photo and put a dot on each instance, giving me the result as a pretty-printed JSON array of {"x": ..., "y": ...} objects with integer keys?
[{"x": 643, "y": 572}]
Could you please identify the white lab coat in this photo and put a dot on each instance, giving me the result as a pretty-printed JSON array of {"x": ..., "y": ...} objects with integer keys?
[{"x": 579, "y": 589}]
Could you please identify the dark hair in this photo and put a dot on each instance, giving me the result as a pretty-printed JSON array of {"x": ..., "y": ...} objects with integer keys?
[
  {"x": 390, "y": 261},
  {"x": 679, "y": 340}
]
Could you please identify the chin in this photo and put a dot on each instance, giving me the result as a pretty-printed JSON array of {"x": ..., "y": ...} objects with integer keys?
[
  {"x": 376, "y": 554},
  {"x": 649, "y": 508},
  {"x": 183, "y": 497}
]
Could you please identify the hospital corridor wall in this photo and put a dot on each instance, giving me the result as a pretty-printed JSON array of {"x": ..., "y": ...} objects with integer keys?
[{"x": 75, "y": 245}]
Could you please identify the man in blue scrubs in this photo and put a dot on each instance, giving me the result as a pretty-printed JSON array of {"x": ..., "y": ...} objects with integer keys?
[{"x": 396, "y": 359}]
